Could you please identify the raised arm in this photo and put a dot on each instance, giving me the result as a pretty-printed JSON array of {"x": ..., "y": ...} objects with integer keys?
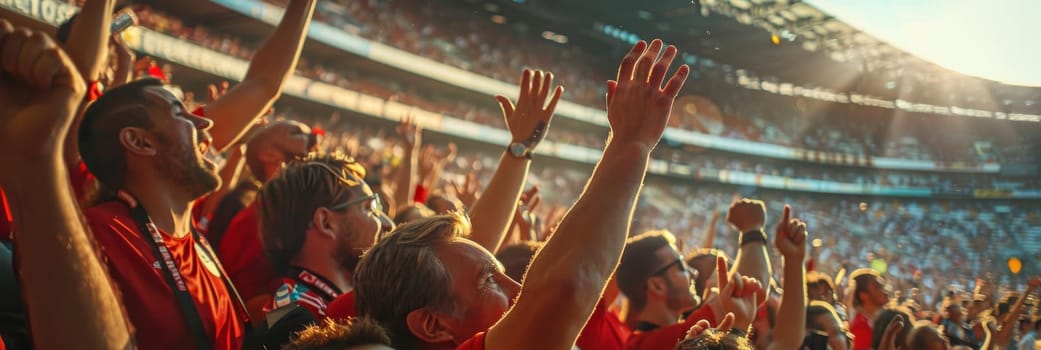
[
  {"x": 73, "y": 305},
  {"x": 710, "y": 231},
  {"x": 272, "y": 65},
  {"x": 87, "y": 43},
  {"x": 528, "y": 122},
  {"x": 1008, "y": 325},
  {"x": 790, "y": 240},
  {"x": 749, "y": 217},
  {"x": 407, "y": 175},
  {"x": 575, "y": 264}
]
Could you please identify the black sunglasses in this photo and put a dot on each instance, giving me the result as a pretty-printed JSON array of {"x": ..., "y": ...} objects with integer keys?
[{"x": 682, "y": 264}]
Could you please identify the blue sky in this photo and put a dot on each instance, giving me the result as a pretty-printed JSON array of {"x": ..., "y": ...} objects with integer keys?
[{"x": 998, "y": 40}]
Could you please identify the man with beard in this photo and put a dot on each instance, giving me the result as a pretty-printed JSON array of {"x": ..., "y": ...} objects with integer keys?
[
  {"x": 140, "y": 140},
  {"x": 661, "y": 286},
  {"x": 234, "y": 228}
]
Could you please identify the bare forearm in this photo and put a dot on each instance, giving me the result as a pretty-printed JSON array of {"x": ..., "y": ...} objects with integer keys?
[
  {"x": 73, "y": 303},
  {"x": 710, "y": 234},
  {"x": 87, "y": 43},
  {"x": 272, "y": 65},
  {"x": 753, "y": 261},
  {"x": 493, "y": 212},
  {"x": 789, "y": 334},
  {"x": 1008, "y": 324},
  {"x": 406, "y": 178},
  {"x": 578, "y": 260}
]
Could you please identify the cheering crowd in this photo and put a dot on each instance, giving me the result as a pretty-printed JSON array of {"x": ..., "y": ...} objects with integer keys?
[{"x": 140, "y": 221}]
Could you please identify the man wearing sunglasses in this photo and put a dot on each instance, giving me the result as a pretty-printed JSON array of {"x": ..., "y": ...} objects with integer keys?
[
  {"x": 656, "y": 279},
  {"x": 316, "y": 217}
]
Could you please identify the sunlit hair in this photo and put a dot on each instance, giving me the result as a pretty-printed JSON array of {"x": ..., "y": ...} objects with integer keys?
[
  {"x": 402, "y": 273},
  {"x": 861, "y": 279},
  {"x": 99, "y": 143},
  {"x": 714, "y": 339},
  {"x": 286, "y": 203},
  {"x": 339, "y": 335},
  {"x": 412, "y": 212},
  {"x": 639, "y": 260}
]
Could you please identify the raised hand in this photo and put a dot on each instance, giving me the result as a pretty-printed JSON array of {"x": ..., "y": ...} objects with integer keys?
[
  {"x": 747, "y": 215},
  {"x": 432, "y": 163},
  {"x": 40, "y": 89},
  {"x": 703, "y": 325},
  {"x": 529, "y": 119},
  {"x": 790, "y": 237},
  {"x": 410, "y": 132},
  {"x": 737, "y": 294},
  {"x": 638, "y": 107},
  {"x": 892, "y": 330},
  {"x": 524, "y": 216},
  {"x": 216, "y": 92},
  {"x": 468, "y": 190}
]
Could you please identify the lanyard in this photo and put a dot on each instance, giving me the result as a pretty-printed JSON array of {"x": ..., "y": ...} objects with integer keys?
[
  {"x": 174, "y": 279},
  {"x": 315, "y": 282}
]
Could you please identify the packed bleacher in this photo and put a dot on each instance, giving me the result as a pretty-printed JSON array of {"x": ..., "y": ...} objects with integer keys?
[{"x": 143, "y": 207}]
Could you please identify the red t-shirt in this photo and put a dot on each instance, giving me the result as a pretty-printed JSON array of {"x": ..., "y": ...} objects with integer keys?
[
  {"x": 475, "y": 342},
  {"x": 243, "y": 256},
  {"x": 862, "y": 334},
  {"x": 149, "y": 301},
  {"x": 604, "y": 330},
  {"x": 342, "y": 308},
  {"x": 667, "y": 337}
]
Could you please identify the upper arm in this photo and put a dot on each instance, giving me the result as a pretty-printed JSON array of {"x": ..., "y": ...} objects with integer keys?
[{"x": 234, "y": 112}]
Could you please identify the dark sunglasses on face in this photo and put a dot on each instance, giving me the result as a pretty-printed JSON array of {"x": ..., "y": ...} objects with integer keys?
[{"x": 682, "y": 264}]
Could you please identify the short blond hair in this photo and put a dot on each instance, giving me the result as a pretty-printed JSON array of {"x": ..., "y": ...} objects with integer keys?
[
  {"x": 403, "y": 273},
  {"x": 339, "y": 335}
]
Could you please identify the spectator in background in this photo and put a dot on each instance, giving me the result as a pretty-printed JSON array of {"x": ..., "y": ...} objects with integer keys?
[
  {"x": 1029, "y": 340},
  {"x": 824, "y": 329},
  {"x": 238, "y": 239},
  {"x": 869, "y": 297},
  {"x": 954, "y": 326},
  {"x": 316, "y": 217}
]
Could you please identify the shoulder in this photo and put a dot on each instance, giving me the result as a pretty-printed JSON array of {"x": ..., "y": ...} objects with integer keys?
[
  {"x": 110, "y": 217},
  {"x": 474, "y": 343}
]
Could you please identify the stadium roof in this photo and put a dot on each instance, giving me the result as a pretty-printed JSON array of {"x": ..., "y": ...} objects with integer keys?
[{"x": 786, "y": 41}]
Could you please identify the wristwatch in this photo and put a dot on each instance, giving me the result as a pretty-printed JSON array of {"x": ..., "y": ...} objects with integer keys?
[{"x": 519, "y": 150}]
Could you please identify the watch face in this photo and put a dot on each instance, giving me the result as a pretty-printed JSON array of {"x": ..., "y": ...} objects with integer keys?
[{"x": 518, "y": 149}]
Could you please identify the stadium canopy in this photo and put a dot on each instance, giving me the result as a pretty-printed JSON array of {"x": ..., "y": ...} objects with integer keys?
[{"x": 786, "y": 42}]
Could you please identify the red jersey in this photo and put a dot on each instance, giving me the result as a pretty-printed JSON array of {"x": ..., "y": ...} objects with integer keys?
[
  {"x": 603, "y": 331},
  {"x": 862, "y": 333},
  {"x": 308, "y": 290},
  {"x": 243, "y": 256},
  {"x": 667, "y": 337},
  {"x": 149, "y": 301},
  {"x": 475, "y": 342},
  {"x": 342, "y": 308}
]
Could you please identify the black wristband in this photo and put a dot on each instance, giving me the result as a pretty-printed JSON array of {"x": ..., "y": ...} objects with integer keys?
[
  {"x": 738, "y": 332},
  {"x": 752, "y": 236}
]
